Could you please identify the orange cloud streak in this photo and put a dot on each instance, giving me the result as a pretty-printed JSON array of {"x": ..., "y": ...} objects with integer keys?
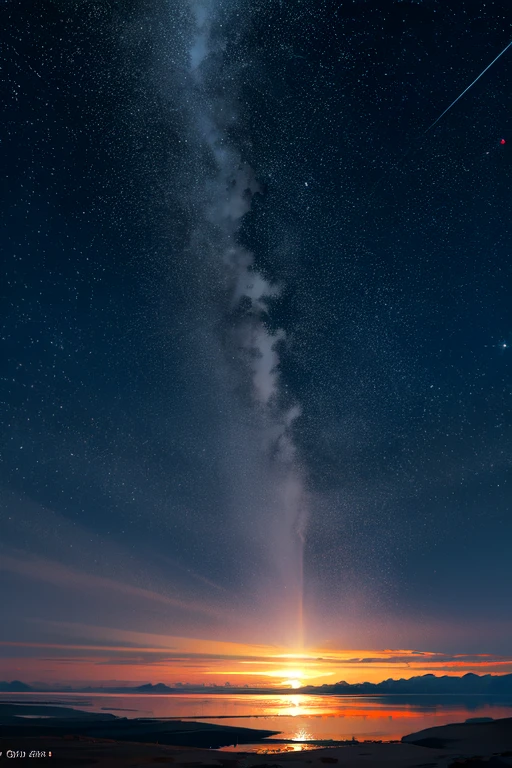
[{"x": 134, "y": 656}]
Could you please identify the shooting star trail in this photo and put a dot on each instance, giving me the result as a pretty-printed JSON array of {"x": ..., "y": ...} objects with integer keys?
[
  {"x": 467, "y": 89},
  {"x": 415, "y": 146}
]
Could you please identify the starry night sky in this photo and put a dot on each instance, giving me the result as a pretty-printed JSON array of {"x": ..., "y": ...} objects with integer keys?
[{"x": 133, "y": 447}]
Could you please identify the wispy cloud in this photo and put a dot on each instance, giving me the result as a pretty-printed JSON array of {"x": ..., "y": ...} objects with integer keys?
[
  {"x": 152, "y": 658},
  {"x": 41, "y": 570}
]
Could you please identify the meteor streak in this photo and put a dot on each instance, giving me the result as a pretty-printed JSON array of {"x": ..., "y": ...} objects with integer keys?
[
  {"x": 467, "y": 89},
  {"x": 417, "y": 143}
]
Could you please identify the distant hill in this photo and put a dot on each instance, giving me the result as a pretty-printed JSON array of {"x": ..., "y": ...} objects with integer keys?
[
  {"x": 467, "y": 684},
  {"x": 14, "y": 687},
  {"x": 158, "y": 688},
  {"x": 424, "y": 684}
]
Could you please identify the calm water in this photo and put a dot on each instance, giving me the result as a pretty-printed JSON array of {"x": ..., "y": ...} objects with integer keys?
[{"x": 296, "y": 716}]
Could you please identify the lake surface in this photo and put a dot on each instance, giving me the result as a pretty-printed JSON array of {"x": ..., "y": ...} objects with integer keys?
[{"x": 297, "y": 716}]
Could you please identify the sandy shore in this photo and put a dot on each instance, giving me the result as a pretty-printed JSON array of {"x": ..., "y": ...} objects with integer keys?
[
  {"x": 103, "y": 753},
  {"x": 465, "y": 744},
  {"x": 27, "y": 721}
]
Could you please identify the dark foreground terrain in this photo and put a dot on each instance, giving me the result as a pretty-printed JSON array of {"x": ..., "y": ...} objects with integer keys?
[{"x": 77, "y": 738}]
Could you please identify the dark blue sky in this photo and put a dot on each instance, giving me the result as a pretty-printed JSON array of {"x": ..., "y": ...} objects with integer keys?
[{"x": 245, "y": 297}]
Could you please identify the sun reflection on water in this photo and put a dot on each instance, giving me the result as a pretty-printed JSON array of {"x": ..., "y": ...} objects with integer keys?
[
  {"x": 302, "y": 735},
  {"x": 298, "y": 705}
]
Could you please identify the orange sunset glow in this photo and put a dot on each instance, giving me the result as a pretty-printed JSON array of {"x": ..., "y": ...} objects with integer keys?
[{"x": 134, "y": 656}]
